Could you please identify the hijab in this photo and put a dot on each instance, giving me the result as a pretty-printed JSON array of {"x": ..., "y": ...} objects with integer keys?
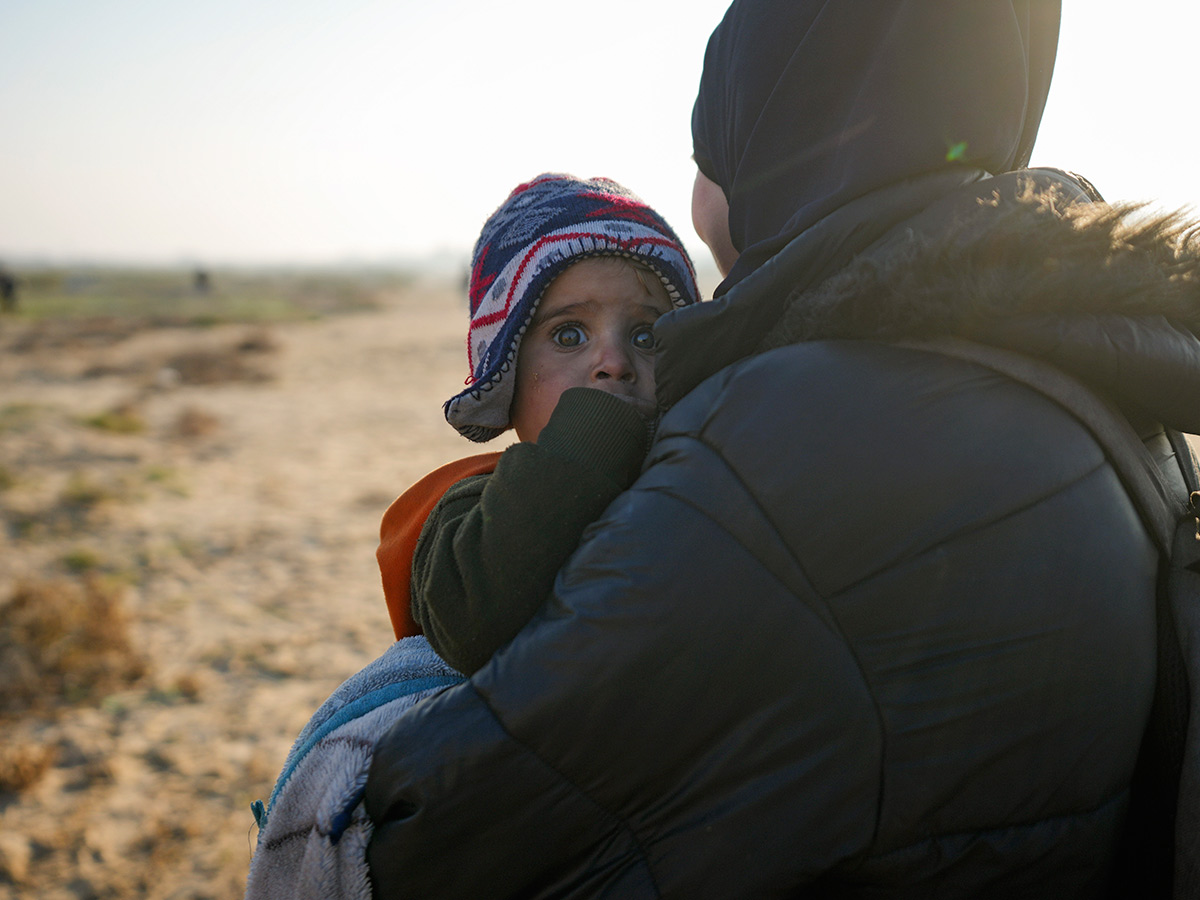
[{"x": 808, "y": 105}]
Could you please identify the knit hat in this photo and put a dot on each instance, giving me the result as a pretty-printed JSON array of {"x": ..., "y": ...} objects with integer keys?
[{"x": 542, "y": 228}]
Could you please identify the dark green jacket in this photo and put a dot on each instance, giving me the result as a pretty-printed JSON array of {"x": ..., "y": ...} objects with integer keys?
[{"x": 490, "y": 550}]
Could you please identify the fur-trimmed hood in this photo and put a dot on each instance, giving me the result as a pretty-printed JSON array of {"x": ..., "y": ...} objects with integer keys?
[
  {"x": 1109, "y": 293},
  {"x": 1030, "y": 261}
]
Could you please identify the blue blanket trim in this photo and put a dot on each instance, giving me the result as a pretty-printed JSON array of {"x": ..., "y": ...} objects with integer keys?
[{"x": 351, "y": 711}]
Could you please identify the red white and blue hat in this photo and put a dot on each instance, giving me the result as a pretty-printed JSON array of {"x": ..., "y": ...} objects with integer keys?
[{"x": 543, "y": 227}]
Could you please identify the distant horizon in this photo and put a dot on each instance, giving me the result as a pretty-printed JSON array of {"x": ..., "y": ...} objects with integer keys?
[
  {"x": 258, "y": 133},
  {"x": 433, "y": 260},
  {"x": 444, "y": 265}
]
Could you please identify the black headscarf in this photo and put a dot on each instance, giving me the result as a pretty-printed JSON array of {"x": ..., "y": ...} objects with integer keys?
[{"x": 806, "y": 105}]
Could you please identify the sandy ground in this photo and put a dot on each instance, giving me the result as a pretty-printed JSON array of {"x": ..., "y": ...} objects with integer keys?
[{"x": 238, "y": 527}]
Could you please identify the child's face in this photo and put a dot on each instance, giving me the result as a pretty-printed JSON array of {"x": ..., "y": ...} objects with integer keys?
[{"x": 592, "y": 329}]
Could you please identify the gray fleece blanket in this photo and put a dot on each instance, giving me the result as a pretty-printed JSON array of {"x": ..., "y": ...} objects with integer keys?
[{"x": 313, "y": 832}]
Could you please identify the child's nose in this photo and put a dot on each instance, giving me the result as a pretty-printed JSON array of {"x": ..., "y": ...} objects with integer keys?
[{"x": 614, "y": 360}]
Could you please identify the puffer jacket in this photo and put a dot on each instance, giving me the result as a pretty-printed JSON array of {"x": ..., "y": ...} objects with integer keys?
[{"x": 873, "y": 622}]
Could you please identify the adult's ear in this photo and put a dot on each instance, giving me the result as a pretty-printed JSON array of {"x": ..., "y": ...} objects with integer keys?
[{"x": 710, "y": 218}]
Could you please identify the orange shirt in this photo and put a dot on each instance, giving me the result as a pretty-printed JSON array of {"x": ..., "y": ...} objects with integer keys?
[{"x": 401, "y": 527}]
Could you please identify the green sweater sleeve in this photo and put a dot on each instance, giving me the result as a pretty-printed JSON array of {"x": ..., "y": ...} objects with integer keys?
[{"x": 490, "y": 550}]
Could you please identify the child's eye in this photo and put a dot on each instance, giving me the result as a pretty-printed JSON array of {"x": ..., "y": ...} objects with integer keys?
[
  {"x": 568, "y": 336},
  {"x": 643, "y": 339}
]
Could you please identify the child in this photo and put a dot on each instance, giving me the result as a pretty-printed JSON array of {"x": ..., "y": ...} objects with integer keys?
[{"x": 567, "y": 279}]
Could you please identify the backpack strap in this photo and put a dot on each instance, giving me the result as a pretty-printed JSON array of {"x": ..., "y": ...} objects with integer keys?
[
  {"x": 1183, "y": 591},
  {"x": 1187, "y": 465}
]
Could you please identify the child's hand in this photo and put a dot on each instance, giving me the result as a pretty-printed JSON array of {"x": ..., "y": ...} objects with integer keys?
[
  {"x": 604, "y": 431},
  {"x": 647, "y": 409}
]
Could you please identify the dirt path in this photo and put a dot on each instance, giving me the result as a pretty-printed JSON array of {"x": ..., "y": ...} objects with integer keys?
[{"x": 239, "y": 527}]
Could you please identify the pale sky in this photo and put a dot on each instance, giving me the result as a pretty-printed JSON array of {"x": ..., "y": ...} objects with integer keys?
[{"x": 328, "y": 131}]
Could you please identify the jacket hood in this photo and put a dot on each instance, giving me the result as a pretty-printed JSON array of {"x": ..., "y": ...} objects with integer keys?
[
  {"x": 696, "y": 342},
  {"x": 806, "y": 105},
  {"x": 1110, "y": 294}
]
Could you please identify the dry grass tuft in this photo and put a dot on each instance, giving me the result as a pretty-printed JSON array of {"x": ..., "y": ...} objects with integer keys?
[
  {"x": 82, "y": 503},
  {"x": 188, "y": 686},
  {"x": 124, "y": 418},
  {"x": 64, "y": 641},
  {"x": 218, "y": 366},
  {"x": 23, "y": 765},
  {"x": 82, "y": 559},
  {"x": 260, "y": 340},
  {"x": 82, "y": 493},
  {"x": 194, "y": 422}
]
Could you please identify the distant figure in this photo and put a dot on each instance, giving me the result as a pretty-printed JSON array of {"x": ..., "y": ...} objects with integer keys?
[
  {"x": 201, "y": 283},
  {"x": 8, "y": 291}
]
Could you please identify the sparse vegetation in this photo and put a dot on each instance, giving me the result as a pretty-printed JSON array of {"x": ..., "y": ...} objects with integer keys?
[
  {"x": 80, "y": 503},
  {"x": 82, "y": 559},
  {"x": 184, "y": 689},
  {"x": 167, "y": 478},
  {"x": 173, "y": 601},
  {"x": 124, "y": 418},
  {"x": 205, "y": 366},
  {"x": 83, "y": 493},
  {"x": 194, "y": 422},
  {"x": 259, "y": 340},
  {"x": 23, "y": 765},
  {"x": 19, "y": 416},
  {"x": 64, "y": 641},
  {"x": 181, "y": 297}
]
